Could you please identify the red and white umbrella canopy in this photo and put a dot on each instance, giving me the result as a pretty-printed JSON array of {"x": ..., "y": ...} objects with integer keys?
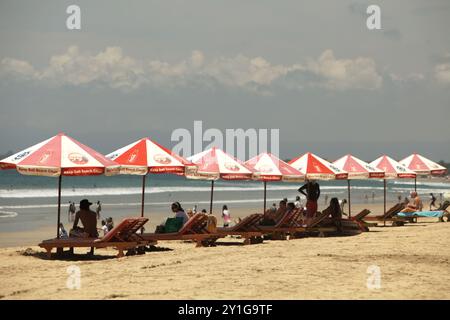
[
  {"x": 421, "y": 165},
  {"x": 268, "y": 167},
  {"x": 60, "y": 155},
  {"x": 145, "y": 155},
  {"x": 392, "y": 169},
  {"x": 314, "y": 167},
  {"x": 213, "y": 164},
  {"x": 357, "y": 168}
]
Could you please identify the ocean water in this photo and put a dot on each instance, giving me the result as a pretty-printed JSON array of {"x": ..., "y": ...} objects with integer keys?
[{"x": 29, "y": 202}]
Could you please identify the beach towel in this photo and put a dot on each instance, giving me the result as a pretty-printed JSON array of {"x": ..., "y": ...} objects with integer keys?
[{"x": 429, "y": 214}]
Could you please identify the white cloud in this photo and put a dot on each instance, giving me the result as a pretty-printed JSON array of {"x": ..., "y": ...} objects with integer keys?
[
  {"x": 442, "y": 73},
  {"x": 114, "y": 69},
  {"x": 342, "y": 74}
]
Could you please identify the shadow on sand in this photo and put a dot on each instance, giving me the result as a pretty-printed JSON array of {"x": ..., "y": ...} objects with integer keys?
[{"x": 69, "y": 256}]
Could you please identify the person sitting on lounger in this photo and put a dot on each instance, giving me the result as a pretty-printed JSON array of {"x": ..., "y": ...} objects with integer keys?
[
  {"x": 290, "y": 206},
  {"x": 179, "y": 212},
  {"x": 336, "y": 213},
  {"x": 173, "y": 224},
  {"x": 415, "y": 204},
  {"x": 109, "y": 223},
  {"x": 88, "y": 219},
  {"x": 271, "y": 217}
]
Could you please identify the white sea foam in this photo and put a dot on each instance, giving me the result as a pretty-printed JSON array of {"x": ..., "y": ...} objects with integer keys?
[
  {"x": 8, "y": 214},
  {"x": 437, "y": 187}
]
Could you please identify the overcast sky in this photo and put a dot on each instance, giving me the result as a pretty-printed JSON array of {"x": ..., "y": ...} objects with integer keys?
[{"x": 310, "y": 68}]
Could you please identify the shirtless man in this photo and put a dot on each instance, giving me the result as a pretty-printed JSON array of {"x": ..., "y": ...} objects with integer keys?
[
  {"x": 311, "y": 191},
  {"x": 415, "y": 204},
  {"x": 88, "y": 219}
]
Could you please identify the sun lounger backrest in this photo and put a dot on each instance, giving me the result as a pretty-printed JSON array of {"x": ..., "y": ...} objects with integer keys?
[
  {"x": 320, "y": 217},
  {"x": 196, "y": 224},
  {"x": 394, "y": 210},
  {"x": 296, "y": 217},
  {"x": 127, "y": 233},
  {"x": 247, "y": 223},
  {"x": 443, "y": 206},
  {"x": 285, "y": 219},
  {"x": 124, "y": 230},
  {"x": 361, "y": 215}
]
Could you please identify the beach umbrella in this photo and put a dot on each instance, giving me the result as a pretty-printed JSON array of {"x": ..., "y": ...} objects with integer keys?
[
  {"x": 60, "y": 156},
  {"x": 316, "y": 168},
  {"x": 392, "y": 170},
  {"x": 267, "y": 167},
  {"x": 146, "y": 156},
  {"x": 357, "y": 169},
  {"x": 422, "y": 166},
  {"x": 214, "y": 164}
]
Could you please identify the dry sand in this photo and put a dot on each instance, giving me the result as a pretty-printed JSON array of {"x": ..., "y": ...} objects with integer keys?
[{"x": 414, "y": 261}]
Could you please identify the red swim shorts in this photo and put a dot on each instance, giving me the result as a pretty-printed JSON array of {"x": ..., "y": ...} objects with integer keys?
[{"x": 311, "y": 208}]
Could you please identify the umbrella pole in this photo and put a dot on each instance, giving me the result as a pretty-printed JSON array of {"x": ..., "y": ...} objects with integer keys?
[
  {"x": 265, "y": 188},
  {"x": 143, "y": 195},
  {"x": 384, "y": 181},
  {"x": 59, "y": 205},
  {"x": 349, "y": 201},
  {"x": 415, "y": 183},
  {"x": 212, "y": 192}
]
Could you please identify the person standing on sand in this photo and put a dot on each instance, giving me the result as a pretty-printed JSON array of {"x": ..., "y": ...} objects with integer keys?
[
  {"x": 226, "y": 216},
  {"x": 72, "y": 210},
  {"x": 373, "y": 197},
  {"x": 432, "y": 201},
  {"x": 69, "y": 212},
  {"x": 98, "y": 209},
  {"x": 311, "y": 190}
]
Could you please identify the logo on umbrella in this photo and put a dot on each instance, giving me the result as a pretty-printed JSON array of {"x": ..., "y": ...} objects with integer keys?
[
  {"x": 77, "y": 158},
  {"x": 133, "y": 156},
  {"x": 265, "y": 169},
  {"x": 21, "y": 155},
  {"x": 161, "y": 158},
  {"x": 231, "y": 166},
  {"x": 44, "y": 158}
]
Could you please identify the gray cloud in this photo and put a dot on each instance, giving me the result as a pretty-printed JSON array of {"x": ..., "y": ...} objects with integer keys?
[{"x": 111, "y": 67}]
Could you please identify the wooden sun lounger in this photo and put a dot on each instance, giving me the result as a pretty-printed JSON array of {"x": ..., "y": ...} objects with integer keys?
[
  {"x": 290, "y": 224},
  {"x": 315, "y": 226},
  {"x": 122, "y": 237},
  {"x": 288, "y": 220},
  {"x": 360, "y": 220},
  {"x": 391, "y": 216},
  {"x": 389, "y": 213},
  {"x": 247, "y": 229},
  {"x": 193, "y": 229}
]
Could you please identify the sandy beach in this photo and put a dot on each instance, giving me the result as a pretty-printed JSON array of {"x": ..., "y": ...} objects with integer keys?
[{"x": 413, "y": 261}]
